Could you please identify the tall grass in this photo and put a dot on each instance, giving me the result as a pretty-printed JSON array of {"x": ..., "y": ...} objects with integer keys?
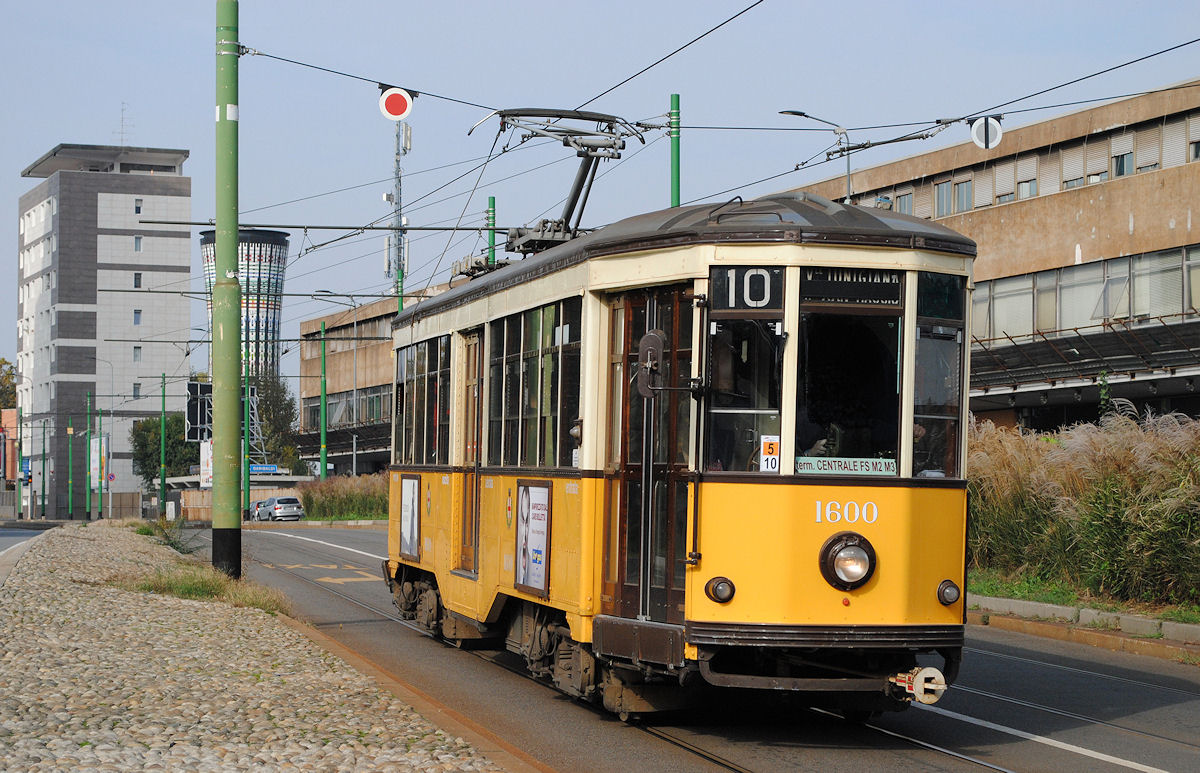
[
  {"x": 1113, "y": 508},
  {"x": 345, "y": 498}
]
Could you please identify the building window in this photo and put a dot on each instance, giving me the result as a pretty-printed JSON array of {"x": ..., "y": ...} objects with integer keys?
[
  {"x": 1073, "y": 183},
  {"x": 1027, "y": 189},
  {"x": 1004, "y": 198},
  {"x": 1194, "y": 153},
  {"x": 1123, "y": 164},
  {"x": 943, "y": 203},
  {"x": 137, "y": 278},
  {"x": 137, "y": 244},
  {"x": 1148, "y": 167},
  {"x": 137, "y": 354},
  {"x": 137, "y": 316},
  {"x": 1098, "y": 177},
  {"x": 137, "y": 206},
  {"x": 904, "y": 203},
  {"x": 137, "y": 390},
  {"x": 962, "y": 196}
]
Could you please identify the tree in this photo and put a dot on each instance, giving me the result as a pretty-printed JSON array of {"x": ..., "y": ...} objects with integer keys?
[
  {"x": 8, "y": 384},
  {"x": 181, "y": 455},
  {"x": 277, "y": 412}
]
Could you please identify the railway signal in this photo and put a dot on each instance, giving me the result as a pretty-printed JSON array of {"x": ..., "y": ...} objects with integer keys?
[{"x": 395, "y": 104}]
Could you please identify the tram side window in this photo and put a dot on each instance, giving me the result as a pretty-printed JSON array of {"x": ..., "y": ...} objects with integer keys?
[
  {"x": 937, "y": 400},
  {"x": 848, "y": 394},
  {"x": 534, "y": 386},
  {"x": 441, "y": 451}
]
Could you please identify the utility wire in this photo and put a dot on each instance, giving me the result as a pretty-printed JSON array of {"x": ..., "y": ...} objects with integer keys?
[
  {"x": 668, "y": 56},
  {"x": 381, "y": 84}
]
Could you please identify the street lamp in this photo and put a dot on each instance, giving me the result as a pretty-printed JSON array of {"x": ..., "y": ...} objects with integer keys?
[
  {"x": 839, "y": 131},
  {"x": 329, "y": 296}
]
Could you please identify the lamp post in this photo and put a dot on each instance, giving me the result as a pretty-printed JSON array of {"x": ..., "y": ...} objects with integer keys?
[
  {"x": 329, "y": 296},
  {"x": 839, "y": 131}
]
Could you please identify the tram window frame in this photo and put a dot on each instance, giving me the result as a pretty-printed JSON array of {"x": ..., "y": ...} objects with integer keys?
[
  {"x": 422, "y": 432},
  {"x": 827, "y": 428},
  {"x": 534, "y": 385},
  {"x": 744, "y": 398},
  {"x": 937, "y": 427}
]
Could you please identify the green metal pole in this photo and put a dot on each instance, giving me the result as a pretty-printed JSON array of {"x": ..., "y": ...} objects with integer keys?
[
  {"x": 20, "y": 466},
  {"x": 103, "y": 466},
  {"x": 674, "y": 133},
  {"x": 43, "y": 469},
  {"x": 87, "y": 463},
  {"x": 226, "y": 304},
  {"x": 70, "y": 470},
  {"x": 324, "y": 403},
  {"x": 246, "y": 416},
  {"x": 162, "y": 452},
  {"x": 491, "y": 224}
]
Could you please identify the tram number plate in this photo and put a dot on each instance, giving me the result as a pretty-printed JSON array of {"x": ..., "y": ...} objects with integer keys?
[
  {"x": 768, "y": 457},
  {"x": 847, "y": 512}
]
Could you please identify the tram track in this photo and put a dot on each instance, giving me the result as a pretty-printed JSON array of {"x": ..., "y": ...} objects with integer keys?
[{"x": 656, "y": 732}]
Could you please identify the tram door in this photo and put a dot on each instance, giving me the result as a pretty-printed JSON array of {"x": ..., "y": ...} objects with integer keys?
[
  {"x": 471, "y": 418},
  {"x": 647, "y": 473}
]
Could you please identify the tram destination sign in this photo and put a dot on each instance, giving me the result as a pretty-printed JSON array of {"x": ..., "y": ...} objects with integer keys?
[
  {"x": 747, "y": 288},
  {"x": 860, "y": 286}
]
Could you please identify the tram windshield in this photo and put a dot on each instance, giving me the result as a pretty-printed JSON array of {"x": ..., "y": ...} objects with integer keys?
[{"x": 848, "y": 394}]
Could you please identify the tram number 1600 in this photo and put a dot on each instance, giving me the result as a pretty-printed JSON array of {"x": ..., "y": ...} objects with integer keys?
[{"x": 847, "y": 512}]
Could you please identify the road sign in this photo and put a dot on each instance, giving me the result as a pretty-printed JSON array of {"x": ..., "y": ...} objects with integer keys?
[
  {"x": 395, "y": 104},
  {"x": 264, "y": 469},
  {"x": 111, "y": 477},
  {"x": 986, "y": 132}
]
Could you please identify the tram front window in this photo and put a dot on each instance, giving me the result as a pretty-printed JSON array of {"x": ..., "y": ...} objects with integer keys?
[
  {"x": 744, "y": 410},
  {"x": 848, "y": 394}
]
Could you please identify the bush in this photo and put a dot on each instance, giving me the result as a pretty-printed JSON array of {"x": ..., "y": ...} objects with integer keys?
[
  {"x": 1113, "y": 508},
  {"x": 346, "y": 498}
]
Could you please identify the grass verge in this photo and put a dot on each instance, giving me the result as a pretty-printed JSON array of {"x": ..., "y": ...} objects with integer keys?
[{"x": 200, "y": 582}]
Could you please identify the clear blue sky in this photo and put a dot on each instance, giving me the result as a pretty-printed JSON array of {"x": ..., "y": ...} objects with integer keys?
[{"x": 68, "y": 67}]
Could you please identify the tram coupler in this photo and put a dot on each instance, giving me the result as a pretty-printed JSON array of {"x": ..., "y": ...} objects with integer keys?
[{"x": 925, "y": 684}]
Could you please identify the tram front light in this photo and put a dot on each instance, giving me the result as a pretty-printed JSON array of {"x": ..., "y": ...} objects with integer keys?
[
  {"x": 719, "y": 589},
  {"x": 847, "y": 560},
  {"x": 948, "y": 592}
]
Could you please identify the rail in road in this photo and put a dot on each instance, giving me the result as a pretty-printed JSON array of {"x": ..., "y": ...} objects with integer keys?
[{"x": 1021, "y": 703}]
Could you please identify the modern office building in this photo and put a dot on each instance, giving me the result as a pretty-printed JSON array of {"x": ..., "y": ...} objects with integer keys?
[
  {"x": 262, "y": 263},
  {"x": 1087, "y": 283},
  {"x": 88, "y": 320}
]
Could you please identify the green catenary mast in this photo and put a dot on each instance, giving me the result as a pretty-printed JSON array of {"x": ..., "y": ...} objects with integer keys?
[{"x": 226, "y": 305}]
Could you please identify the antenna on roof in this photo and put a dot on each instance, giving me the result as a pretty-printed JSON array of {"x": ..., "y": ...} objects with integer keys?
[{"x": 126, "y": 126}]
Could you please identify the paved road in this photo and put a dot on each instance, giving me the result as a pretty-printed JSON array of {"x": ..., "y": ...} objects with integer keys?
[
  {"x": 1021, "y": 703},
  {"x": 12, "y": 537}
]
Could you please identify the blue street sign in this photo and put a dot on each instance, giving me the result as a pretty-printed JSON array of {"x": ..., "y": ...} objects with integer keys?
[
  {"x": 25, "y": 465},
  {"x": 264, "y": 469}
]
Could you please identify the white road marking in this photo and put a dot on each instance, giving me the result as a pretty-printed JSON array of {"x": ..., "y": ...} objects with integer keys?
[
  {"x": 322, "y": 542},
  {"x": 12, "y": 547},
  {"x": 1042, "y": 740}
]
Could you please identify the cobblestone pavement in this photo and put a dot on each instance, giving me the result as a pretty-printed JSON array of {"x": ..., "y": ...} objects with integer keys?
[{"x": 93, "y": 677}]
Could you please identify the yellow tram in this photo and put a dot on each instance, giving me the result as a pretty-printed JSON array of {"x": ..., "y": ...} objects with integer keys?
[{"x": 707, "y": 446}]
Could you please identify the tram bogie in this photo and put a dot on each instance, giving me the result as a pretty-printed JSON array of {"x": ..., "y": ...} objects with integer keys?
[{"x": 699, "y": 449}]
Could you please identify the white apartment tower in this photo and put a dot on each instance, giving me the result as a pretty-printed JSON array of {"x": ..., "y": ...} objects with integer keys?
[{"x": 86, "y": 319}]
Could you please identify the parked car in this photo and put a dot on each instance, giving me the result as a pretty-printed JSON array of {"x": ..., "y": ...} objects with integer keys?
[
  {"x": 252, "y": 513},
  {"x": 281, "y": 509}
]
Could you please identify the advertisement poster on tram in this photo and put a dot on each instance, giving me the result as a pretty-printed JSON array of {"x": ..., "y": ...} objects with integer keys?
[
  {"x": 533, "y": 532},
  {"x": 410, "y": 516}
]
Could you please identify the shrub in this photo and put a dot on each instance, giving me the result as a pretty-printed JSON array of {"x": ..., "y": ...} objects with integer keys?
[
  {"x": 1112, "y": 507},
  {"x": 345, "y": 498}
]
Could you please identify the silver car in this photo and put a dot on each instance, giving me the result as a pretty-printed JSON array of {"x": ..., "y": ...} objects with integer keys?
[{"x": 280, "y": 509}]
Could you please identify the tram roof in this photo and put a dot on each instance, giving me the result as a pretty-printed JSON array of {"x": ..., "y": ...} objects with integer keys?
[{"x": 793, "y": 218}]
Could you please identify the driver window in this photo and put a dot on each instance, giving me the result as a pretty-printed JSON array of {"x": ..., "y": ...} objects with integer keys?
[{"x": 744, "y": 408}]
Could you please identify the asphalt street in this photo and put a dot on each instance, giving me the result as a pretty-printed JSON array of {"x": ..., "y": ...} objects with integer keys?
[{"x": 1021, "y": 703}]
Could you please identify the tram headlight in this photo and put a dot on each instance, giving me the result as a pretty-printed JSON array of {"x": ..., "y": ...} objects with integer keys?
[
  {"x": 720, "y": 589},
  {"x": 847, "y": 560},
  {"x": 948, "y": 592}
]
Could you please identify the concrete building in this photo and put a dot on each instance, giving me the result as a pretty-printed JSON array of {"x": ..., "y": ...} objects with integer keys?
[
  {"x": 85, "y": 321},
  {"x": 262, "y": 263},
  {"x": 1087, "y": 283},
  {"x": 359, "y": 369}
]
